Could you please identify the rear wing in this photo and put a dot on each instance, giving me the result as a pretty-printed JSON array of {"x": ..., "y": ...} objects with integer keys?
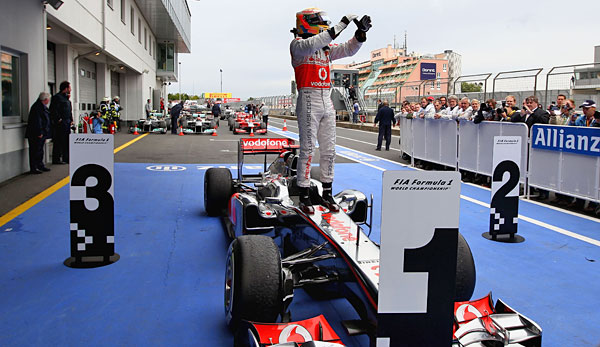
[{"x": 266, "y": 146}]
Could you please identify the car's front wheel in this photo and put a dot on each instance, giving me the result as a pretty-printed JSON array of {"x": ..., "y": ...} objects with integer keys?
[
  {"x": 253, "y": 280},
  {"x": 218, "y": 188}
]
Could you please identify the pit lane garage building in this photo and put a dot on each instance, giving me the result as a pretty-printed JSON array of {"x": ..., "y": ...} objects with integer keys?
[{"x": 103, "y": 47}]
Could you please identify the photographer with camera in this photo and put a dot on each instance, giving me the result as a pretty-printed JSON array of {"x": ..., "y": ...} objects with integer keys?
[
  {"x": 508, "y": 111},
  {"x": 487, "y": 111}
]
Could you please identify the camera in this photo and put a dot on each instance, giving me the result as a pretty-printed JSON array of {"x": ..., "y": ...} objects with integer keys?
[{"x": 503, "y": 104}]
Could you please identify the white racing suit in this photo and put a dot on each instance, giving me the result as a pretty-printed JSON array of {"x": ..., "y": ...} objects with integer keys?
[{"x": 316, "y": 116}]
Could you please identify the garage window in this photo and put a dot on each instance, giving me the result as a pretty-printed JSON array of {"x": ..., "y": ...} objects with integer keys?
[
  {"x": 123, "y": 9},
  {"x": 132, "y": 20},
  {"x": 11, "y": 88}
]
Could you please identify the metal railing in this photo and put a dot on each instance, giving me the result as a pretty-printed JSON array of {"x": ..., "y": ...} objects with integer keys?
[{"x": 576, "y": 81}]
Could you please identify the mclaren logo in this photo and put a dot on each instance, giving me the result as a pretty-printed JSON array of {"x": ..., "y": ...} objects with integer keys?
[{"x": 294, "y": 333}]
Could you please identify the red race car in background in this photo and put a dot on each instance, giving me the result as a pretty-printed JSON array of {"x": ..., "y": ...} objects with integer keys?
[{"x": 244, "y": 123}]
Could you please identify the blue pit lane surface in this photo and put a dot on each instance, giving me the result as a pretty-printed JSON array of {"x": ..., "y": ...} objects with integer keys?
[{"x": 167, "y": 288}]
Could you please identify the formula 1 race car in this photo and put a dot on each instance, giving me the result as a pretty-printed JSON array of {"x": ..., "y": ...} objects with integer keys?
[
  {"x": 245, "y": 123},
  {"x": 200, "y": 124},
  {"x": 153, "y": 124},
  {"x": 277, "y": 248}
]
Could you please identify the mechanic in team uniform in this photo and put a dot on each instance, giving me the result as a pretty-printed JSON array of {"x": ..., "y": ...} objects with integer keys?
[
  {"x": 175, "y": 112},
  {"x": 312, "y": 53}
]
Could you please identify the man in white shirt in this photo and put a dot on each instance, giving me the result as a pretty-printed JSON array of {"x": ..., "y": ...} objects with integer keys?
[
  {"x": 465, "y": 111},
  {"x": 427, "y": 108},
  {"x": 148, "y": 109},
  {"x": 451, "y": 112}
]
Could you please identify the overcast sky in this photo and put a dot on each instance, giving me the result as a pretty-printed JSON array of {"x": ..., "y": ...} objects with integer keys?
[{"x": 250, "y": 40}]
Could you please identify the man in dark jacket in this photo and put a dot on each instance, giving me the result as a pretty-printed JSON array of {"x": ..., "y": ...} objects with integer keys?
[
  {"x": 532, "y": 113},
  {"x": 61, "y": 117},
  {"x": 175, "y": 111},
  {"x": 385, "y": 118},
  {"x": 216, "y": 110},
  {"x": 38, "y": 130}
]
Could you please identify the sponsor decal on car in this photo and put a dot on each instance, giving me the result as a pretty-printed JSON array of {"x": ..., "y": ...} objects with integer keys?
[
  {"x": 266, "y": 144},
  {"x": 339, "y": 227}
]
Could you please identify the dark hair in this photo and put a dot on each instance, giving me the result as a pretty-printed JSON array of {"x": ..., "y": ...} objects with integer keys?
[
  {"x": 64, "y": 85},
  {"x": 533, "y": 99}
]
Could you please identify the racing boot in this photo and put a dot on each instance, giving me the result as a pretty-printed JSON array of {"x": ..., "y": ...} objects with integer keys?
[
  {"x": 305, "y": 204},
  {"x": 328, "y": 200}
]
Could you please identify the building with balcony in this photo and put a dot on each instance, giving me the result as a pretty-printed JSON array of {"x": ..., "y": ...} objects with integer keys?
[
  {"x": 103, "y": 47},
  {"x": 393, "y": 75}
]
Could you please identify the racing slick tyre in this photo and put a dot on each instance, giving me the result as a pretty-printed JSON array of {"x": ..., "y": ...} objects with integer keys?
[
  {"x": 263, "y": 126},
  {"x": 253, "y": 289},
  {"x": 212, "y": 124},
  {"x": 231, "y": 122},
  {"x": 218, "y": 188},
  {"x": 465, "y": 271},
  {"x": 162, "y": 124}
]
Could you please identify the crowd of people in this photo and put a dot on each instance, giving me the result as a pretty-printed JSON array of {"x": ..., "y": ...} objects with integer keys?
[{"x": 563, "y": 111}]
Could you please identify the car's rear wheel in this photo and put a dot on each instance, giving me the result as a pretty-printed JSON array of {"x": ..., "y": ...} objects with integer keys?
[
  {"x": 465, "y": 271},
  {"x": 253, "y": 280},
  {"x": 218, "y": 188}
]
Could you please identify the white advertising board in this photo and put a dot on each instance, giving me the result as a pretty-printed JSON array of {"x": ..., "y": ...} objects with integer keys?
[
  {"x": 419, "y": 232},
  {"x": 504, "y": 204},
  {"x": 91, "y": 200}
]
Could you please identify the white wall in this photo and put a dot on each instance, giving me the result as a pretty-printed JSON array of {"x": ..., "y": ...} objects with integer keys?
[
  {"x": 28, "y": 39},
  {"x": 121, "y": 47}
]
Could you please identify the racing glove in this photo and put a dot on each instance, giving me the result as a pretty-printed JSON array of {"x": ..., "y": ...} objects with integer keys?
[
  {"x": 363, "y": 25},
  {"x": 335, "y": 30}
]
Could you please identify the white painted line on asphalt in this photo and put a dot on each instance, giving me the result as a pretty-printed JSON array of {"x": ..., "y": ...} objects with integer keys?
[
  {"x": 362, "y": 131},
  {"x": 481, "y": 203},
  {"x": 572, "y": 213},
  {"x": 355, "y": 140},
  {"x": 542, "y": 224}
]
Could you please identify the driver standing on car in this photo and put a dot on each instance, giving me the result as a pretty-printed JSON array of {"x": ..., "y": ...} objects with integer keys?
[{"x": 312, "y": 53}]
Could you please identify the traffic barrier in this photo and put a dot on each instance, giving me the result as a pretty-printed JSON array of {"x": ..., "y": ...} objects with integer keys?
[
  {"x": 181, "y": 131},
  {"x": 135, "y": 130},
  {"x": 475, "y": 145},
  {"x": 566, "y": 160},
  {"x": 214, "y": 132},
  {"x": 251, "y": 131},
  {"x": 284, "y": 125},
  {"x": 434, "y": 140},
  {"x": 406, "y": 136}
]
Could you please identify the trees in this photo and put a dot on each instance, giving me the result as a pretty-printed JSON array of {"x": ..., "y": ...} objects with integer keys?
[{"x": 467, "y": 87}]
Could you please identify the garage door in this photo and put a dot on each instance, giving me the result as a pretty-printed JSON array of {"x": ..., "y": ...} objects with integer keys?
[
  {"x": 115, "y": 82},
  {"x": 87, "y": 85}
]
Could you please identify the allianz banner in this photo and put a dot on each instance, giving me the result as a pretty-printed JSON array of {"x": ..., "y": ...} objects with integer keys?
[
  {"x": 566, "y": 139},
  {"x": 428, "y": 71}
]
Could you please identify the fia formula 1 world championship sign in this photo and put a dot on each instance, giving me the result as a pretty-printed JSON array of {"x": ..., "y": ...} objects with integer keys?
[
  {"x": 418, "y": 260},
  {"x": 566, "y": 139},
  {"x": 92, "y": 203}
]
